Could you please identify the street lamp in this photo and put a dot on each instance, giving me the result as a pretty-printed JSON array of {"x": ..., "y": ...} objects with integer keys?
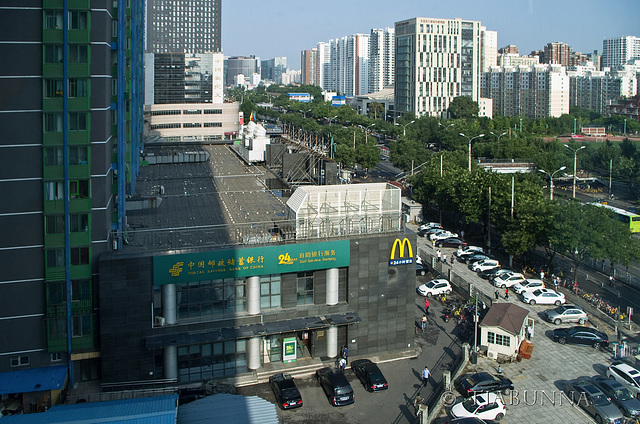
[
  {"x": 551, "y": 178},
  {"x": 470, "y": 140},
  {"x": 404, "y": 127},
  {"x": 331, "y": 119},
  {"x": 445, "y": 126},
  {"x": 575, "y": 163},
  {"x": 498, "y": 135}
]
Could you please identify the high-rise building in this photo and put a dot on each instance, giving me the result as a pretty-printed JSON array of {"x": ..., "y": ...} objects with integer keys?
[
  {"x": 510, "y": 49},
  {"x": 382, "y": 47},
  {"x": 557, "y": 53},
  {"x": 186, "y": 26},
  {"x": 323, "y": 65},
  {"x": 308, "y": 66},
  {"x": 245, "y": 65},
  {"x": 596, "y": 90},
  {"x": 620, "y": 51},
  {"x": 489, "y": 49},
  {"x": 71, "y": 116},
  {"x": 436, "y": 61},
  {"x": 350, "y": 64},
  {"x": 272, "y": 69}
]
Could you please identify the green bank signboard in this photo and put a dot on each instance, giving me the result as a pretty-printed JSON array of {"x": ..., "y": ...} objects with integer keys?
[{"x": 232, "y": 263}]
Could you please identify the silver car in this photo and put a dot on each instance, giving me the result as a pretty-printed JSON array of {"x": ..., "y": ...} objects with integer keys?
[
  {"x": 584, "y": 393},
  {"x": 566, "y": 313}
]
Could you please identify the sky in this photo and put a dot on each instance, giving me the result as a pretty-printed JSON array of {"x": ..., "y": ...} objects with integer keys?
[{"x": 275, "y": 28}]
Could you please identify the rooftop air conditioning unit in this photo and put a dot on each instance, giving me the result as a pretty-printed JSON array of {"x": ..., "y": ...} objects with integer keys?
[
  {"x": 490, "y": 354},
  {"x": 160, "y": 321}
]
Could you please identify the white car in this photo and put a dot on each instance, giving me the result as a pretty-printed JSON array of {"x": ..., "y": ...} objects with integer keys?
[
  {"x": 442, "y": 235},
  {"x": 543, "y": 297},
  {"x": 484, "y": 264},
  {"x": 528, "y": 285},
  {"x": 429, "y": 225},
  {"x": 469, "y": 249},
  {"x": 508, "y": 280},
  {"x": 435, "y": 288},
  {"x": 626, "y": 375},
  {"x": 486, "y": 406}
]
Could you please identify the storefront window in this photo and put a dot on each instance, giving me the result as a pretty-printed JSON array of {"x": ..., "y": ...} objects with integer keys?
[
  {"x": 305, "y": 288},
  {"x": 211, "y": 360},
  {"x": 211, "y": 298},
  {"x": 269, "y": 291}
]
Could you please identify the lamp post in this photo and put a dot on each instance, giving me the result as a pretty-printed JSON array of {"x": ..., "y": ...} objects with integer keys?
[
  {"x": 470, "y": 140},
  {"x": 498, "y": 135},
  {"x": 445, "y": 126},
  {"x": 551, "y": 179},
  {"x": 404, "y": 127},
  {"x": 575, "y": 164},
  {"x": 331, "y": 119}
]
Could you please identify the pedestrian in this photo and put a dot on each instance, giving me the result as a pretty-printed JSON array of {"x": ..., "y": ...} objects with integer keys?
[
  {"x": 542, "y": 274},
  {"x": 345, "y": 354},
  {"x": 462, "y": 235},
  {"x": 506, "y": 293},
  {"x": 342, "y": 364},
  {"x": 451, "y": 260},
  {"x": 439, "y": 255},
  {"x": 423, "y": 324},
  {"x": 555, "y": 283},
  {"x": 433, "y": 243},
  {"x": 611, "y": 280},
  {"x": 425, "y": 376},
  {"x": 527, "y": 331},
  {"x": 497, "y": 295},
  {"x": 444, "y": 258},
  {"x": 426, "y": 306}
]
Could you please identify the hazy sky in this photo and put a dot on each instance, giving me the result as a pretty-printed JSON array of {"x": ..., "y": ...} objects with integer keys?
[{"x": 273, "y": 28}]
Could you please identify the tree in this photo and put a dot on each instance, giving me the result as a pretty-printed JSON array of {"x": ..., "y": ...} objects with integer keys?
[
  {"x": 376, "y": 110},
  {"x": 463, "y": 107}
]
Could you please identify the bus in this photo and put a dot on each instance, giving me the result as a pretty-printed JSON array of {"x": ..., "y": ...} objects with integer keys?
[{"x": 626, "y": 217}]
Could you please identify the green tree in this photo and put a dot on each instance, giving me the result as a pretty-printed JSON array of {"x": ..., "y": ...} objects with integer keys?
[
  {"x": 376, "y": 110},
  {"x": 463, "y": 107}
]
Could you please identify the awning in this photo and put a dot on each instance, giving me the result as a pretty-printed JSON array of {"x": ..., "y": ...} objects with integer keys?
[
  {"x": 33, "y": 380},
  {"x": 186, "y": 338}
]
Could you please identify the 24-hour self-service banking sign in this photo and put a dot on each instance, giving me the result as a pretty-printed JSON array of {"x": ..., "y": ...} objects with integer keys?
[{"x": 253, "y": 261}]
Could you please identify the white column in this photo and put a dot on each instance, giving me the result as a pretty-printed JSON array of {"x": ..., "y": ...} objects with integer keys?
[
  {"x": 253, "y": 353},
  {"x": 332, "y": 286},
  {"x": 171, "y": 362},
  {"x": 332, "y": 341},
  {"x": 169, "y": 303},
  {"x": 253, "y": 295}
]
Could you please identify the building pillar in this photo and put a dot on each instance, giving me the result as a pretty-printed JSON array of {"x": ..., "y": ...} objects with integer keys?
[
  {"x": 332, "y": 341},
  {"x": 253, "y": 295},
  {"x": 253, "y": 353},
  {"x": 332, "y": 286},
  {"x": 171, "y": 362},
  {"x": 169, "y": 303}
]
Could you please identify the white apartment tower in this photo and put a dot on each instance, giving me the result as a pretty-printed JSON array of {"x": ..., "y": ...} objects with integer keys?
[
  {"x": 436, "y": 61},
  {"x": 489, "y": 48},
  {"x": 619, "y": 51},
  {"x": 350, "y": 64},
  {"x": 381, "y": 59},
  {"x": 323, "y": 64}
]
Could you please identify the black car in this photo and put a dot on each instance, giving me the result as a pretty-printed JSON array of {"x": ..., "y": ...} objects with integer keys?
[
  {"x": 451, "y": 242},
  {"x": 421, "y": 269},
  {"x": 287, "y": 394},
  {"x": 428, "y": 231},
  {"x": 473, "y": 257},
  {"x": 335, "y": 386},
  {"x": 586, "y": 336},
  {"x": 483, "y": 382},
  {"x": 491, "y": 273},
  {"x": 622, "y": 397},
  {"x": 370, "y": 375}
]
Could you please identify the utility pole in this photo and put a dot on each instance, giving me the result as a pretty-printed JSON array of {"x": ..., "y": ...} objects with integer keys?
[
  {"x": 513, "y": 192},
  {"x": 610, "y": 172}
]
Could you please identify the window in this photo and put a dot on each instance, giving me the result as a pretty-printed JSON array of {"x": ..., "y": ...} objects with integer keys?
[
  {"x": 57, "y": 328},
  {"x": 211, "y": 360},
  {"x": 212, "y": 111},
  {"x": 54, "y": 224},
  {"x": 56, "y": 293},
  {"x": 77, "y": 20},
  {"x": 54, "y": 190},
  {"x": 77, "y": 87},
  {"x": 270, "y": 291},
  {"x": 80, "y": 290},
  {"x": 78, "y": 155},
  {"x": 498, "y": 339},
  {"x": 53, "y": 156},
  {"x": 56, "y": 357},
  {"x": 55, "y": 258},
  {"x": 77, "y": 121},
  {"x": 53, "y": 19},
  {"x": 192, "y": 125},
  {"x": 53, "y": 88},
  {"x": 213, "y": 124},
  {"x": 79, "y": 189},
  {"x": 211, "y": 298},
  {"x": 79, "y": 223},
  {"x": 17, "y": 361},
  {"x": 81, "y": 325},
  {"x": 53, "y": 53},
  {"x": 78, "y": 53},
  {"x": 79, "y": 256},
  {"x": 305, "y": 288},
  {"x": 53, "y": 122}
]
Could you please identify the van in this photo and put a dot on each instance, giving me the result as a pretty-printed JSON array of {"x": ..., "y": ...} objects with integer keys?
[{"x": 335, "y": 386}]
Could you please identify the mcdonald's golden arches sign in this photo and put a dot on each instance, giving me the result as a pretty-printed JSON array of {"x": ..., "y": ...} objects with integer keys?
[{"x": 401, "y": 252}]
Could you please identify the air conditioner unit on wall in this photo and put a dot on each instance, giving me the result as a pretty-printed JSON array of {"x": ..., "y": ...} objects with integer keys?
[
  {"x": 160, "y": 321},
  {"x": 490, "y": 354}
]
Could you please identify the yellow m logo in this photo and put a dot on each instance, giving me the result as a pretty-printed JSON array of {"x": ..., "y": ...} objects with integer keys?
[{"x": 404, "y": 243}]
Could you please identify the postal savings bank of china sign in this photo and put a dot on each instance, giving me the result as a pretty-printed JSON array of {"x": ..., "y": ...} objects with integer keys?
[{"x": 232, "y": 263}]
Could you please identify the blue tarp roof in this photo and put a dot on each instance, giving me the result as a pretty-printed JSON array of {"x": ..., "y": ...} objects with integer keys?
[
  {"x": 229, "y": 409},
  {"x": 149, "y": 410},
  {"x": 33, "y": 380}
]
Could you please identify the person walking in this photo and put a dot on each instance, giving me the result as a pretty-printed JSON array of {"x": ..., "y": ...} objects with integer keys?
[
  {"x": 444, "y": 258},
  {"x": 439, "y": 255},
  {"x": 423, "y": 323},
  {"x": 426, "y": 306},
  {"x": 506, "y": 293},
  {"x": 451, "y": 260},
  {"x": 497, "y": 295},
  {"x": 425, "y": 376},
  {"x": 345, "y": 354},
  {"x": 342, "y": 364}
]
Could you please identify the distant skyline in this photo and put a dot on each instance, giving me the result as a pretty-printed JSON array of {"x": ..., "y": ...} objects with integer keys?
[{"x": 269, "y": 29}]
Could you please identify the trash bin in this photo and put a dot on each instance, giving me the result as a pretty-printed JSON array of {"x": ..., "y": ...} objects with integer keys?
[{"x": 474, "y": 357}]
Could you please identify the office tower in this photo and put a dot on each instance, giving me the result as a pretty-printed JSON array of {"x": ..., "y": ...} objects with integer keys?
[
  {"x": 186, "y": 26},
  {"x": 436, "y": 61},
  {"x": 620, "y": 51},
  {"x": 307, "y": 66},
  {"x": 381, "y": 58},
  {"x": 538, "y": 91},
  {"x": 489, "y": 48},
  {"x": 71, "y": 120},
  {"x": 272, "y": 69},
  {"x": 323, "y": 65},
  {"x": 241, "y": 65},
  {"x": 350, "y": 64}
]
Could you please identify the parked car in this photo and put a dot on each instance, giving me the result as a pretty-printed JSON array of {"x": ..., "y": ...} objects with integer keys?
[
  {"x": 508, "y": 280},
  {"x": 484, "y": 264},
  {"x": 484, "y": 382},
  {"x": 622, "y": 397},
  {"x": 435, "y": 288},
  {"x": 626, "y": 375},
  {"x": 486, "y": 406},
  {"x": 468, "y": 249},
  {"x": 593, "y": 401},
  {"x": 543, "y": 297},
  {"x": 492, "y": 273},
  {"x": 429, "y": 225},
  {"x": 527, "y": 285},
  {"x": 335, "y": 386},
  {"x": 566, "y": 313},
  {"x": 471, "y": 420},
  {"x": 287, "y": 394},
  {"x": 442, "y": 235},
  {"x": 450, "y": 242},
  {"x": 421, "y": 269},
  {"x": 369, "y": 374},
  {"x": 586, "y": 336},
  {"x": 472, "y": 257}
]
